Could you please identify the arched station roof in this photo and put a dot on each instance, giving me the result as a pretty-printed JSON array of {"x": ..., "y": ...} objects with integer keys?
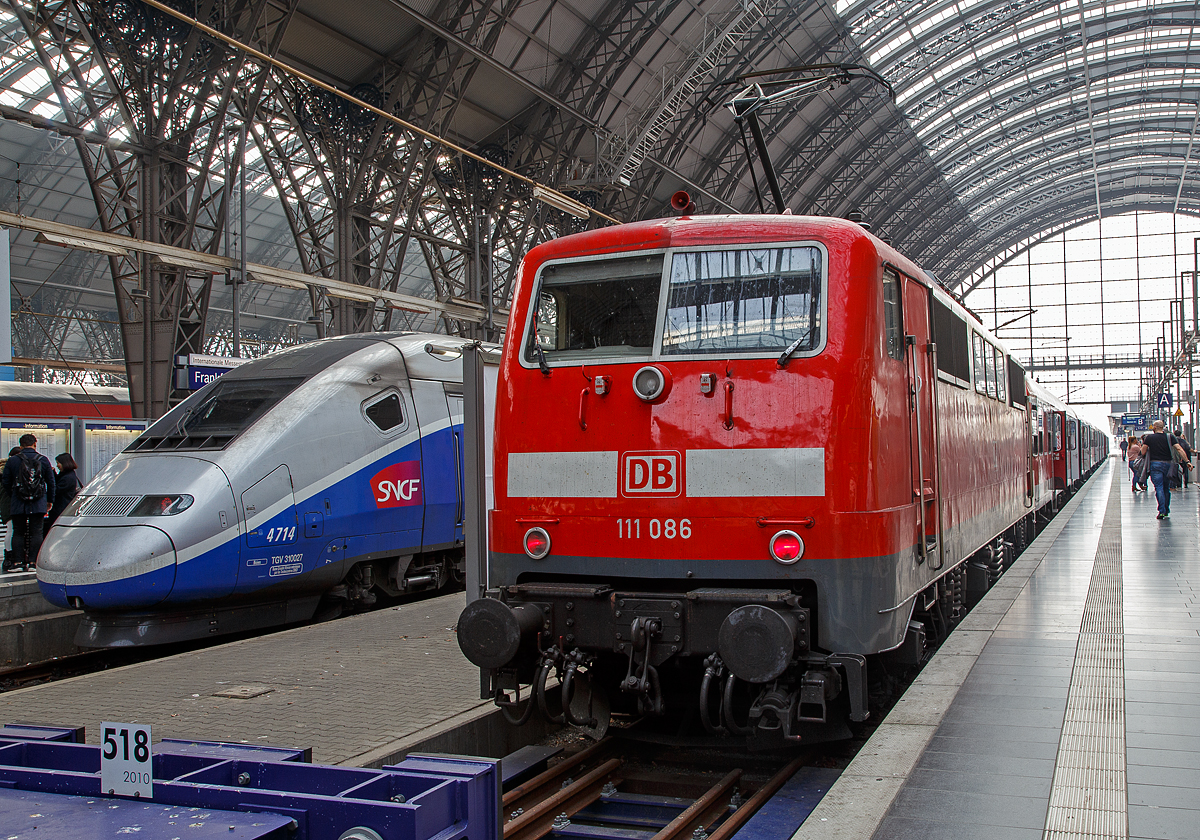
[{"x": 1009, "y": 119}]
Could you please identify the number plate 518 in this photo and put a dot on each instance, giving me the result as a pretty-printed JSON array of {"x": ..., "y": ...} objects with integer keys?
[{"x": 126, "y": 768}]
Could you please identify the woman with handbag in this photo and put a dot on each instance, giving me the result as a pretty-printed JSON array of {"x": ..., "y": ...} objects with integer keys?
[{"x": 1134, "y": 453}]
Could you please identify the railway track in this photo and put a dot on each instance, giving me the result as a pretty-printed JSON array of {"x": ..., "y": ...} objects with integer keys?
[{"x": 614, "y": 791}]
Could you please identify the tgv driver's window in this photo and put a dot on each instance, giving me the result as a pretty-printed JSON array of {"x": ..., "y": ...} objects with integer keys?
[
  {"x": 589, "y": 308},
  {"x": 749, "y": 300},
  {"x": 385, "y": 412}
]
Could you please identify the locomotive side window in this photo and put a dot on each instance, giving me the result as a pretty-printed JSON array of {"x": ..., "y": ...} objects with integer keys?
[
  {"x": 953, "y": 347},
  {"x": 596, "y": 307},
  {"x": 760, "y": 299},
  {"x": 1016, "y": 383},
  {"x": 998, "y": 372},
  {"x": 977, "y": 344},
  {"x": 385, "y": 412},
  {"x": 891, "y": 315}
]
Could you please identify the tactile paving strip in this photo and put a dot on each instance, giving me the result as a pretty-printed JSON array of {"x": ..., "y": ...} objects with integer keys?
[{"x": 1088, "y": 798}]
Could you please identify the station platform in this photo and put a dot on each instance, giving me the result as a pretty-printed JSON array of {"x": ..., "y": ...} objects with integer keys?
[
  {"x": 1065, "y": 705},
  {"x": 359, "y": 691}
]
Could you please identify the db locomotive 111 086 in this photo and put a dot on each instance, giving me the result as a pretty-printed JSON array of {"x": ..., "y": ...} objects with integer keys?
[
  {"x": 736, "y": 458},
  {"x": 311, "y": 479}
]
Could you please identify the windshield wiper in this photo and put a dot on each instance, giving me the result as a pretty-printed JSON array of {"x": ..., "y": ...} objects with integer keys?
[
  {"x": 541, "y": 357},
  {"x": 792, "y": 348}
]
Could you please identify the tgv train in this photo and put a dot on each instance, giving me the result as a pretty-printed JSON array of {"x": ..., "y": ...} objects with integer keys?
[
  {"x": 736, "y": 459},
  {"x": 306, "y": 480}
]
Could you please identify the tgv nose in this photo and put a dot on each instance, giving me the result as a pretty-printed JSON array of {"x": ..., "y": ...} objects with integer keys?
[{"x": 105, "y": 568}]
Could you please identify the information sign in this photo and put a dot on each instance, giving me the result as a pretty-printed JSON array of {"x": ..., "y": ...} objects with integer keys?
[
  {"x": 104, "y": 439},
  {"x": 53, "y": 437},
  {"x": 125, "y": 765},
  {"x": 1164, "y": 400},
  {"x": 195, "y": 370}
]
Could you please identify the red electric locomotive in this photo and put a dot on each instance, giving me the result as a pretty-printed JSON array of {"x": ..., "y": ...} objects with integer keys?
[{"x": 735, "y": 457}]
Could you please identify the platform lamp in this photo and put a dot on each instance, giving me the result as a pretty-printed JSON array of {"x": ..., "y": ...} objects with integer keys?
[{"x": 561, "y": 202}]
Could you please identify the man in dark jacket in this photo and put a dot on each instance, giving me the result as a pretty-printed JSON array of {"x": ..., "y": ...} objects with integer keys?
[{"x": 30, "y": 479}]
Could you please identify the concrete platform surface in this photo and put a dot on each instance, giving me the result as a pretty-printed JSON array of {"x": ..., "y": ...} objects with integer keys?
[{"x": 1068, "y": 707}]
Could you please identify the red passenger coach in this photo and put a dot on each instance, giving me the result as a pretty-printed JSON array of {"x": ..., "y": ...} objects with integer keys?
[{"x": 735, "y": 457}]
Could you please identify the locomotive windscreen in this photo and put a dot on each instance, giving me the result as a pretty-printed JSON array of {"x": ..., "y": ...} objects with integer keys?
[
  {"x": 220, "y": 413},
  {"x": 606, "y": 306},
  {"x": 761, "y": 299}
]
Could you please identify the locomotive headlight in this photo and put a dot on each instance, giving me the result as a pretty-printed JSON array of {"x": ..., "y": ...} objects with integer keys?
[
  {"x": 537, "y": 543},
  {"x": 76, "y": 504},
  {"x": 162, "y": 505},
  {"x": 649, "y": 383},
  {"x": 787, "y": 547}
]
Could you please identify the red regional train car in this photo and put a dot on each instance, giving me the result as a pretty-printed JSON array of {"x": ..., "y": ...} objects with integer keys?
[
  {"x": 735, "y": 457},
  {"x": 48, "y": 401}
]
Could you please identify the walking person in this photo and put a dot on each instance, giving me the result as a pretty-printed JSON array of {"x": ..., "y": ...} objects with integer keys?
[
  {"x": 1159, "y": 447},
  {"x": 1135, "y": 462},
  {"x": 1124, "y": 447},
  {"x": 30, "y": 479},
  {"x": 66, "y": 486},
  {"x": 1186, "y": 467}
]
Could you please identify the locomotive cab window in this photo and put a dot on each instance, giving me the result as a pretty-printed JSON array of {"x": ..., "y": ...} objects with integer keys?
[
  {"x": 385, "y": 412},
  {"x": 892, "y": 320},
  {"x": 596, "y": 308},
  {"x": 746, "y": 300}
]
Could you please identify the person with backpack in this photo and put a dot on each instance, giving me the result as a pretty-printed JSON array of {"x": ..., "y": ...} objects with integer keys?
[{"x": 30, "y": 479}]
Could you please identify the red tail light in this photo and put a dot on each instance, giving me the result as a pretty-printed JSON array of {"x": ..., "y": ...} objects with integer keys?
[
  {"x": 787, "y": 547},
  {"x": 537, "y": 543}
]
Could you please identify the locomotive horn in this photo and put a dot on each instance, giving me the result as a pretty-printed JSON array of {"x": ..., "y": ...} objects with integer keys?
[
  {"x": 756, "y": 643},
  {"x": 490, "y": 634},
  {"x": 682, "y": 204}
]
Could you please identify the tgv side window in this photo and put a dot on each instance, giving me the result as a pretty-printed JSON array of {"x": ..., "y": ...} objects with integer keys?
[{"x": 385, "y": 411}]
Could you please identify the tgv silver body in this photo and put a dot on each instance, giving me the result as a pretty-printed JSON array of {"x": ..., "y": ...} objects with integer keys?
[{"x": 347, "y": 484}]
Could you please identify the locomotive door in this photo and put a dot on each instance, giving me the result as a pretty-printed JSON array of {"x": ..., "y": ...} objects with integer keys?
[
  {"x": 270, "y": 554},
  {"x": 440, "y": 487},
  {"x": 922, "y": 380}
]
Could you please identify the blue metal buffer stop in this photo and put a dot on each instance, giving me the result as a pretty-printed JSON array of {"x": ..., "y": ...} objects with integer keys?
[{"x": 50, "y": 788}]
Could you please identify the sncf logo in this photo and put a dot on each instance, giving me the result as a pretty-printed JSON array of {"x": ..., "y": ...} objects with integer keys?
[
  {"x": 650, "y": 474},
  {"x": 398, "y": 485}
]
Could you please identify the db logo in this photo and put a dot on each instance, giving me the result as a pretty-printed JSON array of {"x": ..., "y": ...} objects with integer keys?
[
  {"x": 398, "y": 485},
  {"x": 650, "y": 474}
]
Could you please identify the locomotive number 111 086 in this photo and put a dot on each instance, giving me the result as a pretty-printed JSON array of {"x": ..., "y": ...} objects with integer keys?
[{"x": 668, "y": 529}]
